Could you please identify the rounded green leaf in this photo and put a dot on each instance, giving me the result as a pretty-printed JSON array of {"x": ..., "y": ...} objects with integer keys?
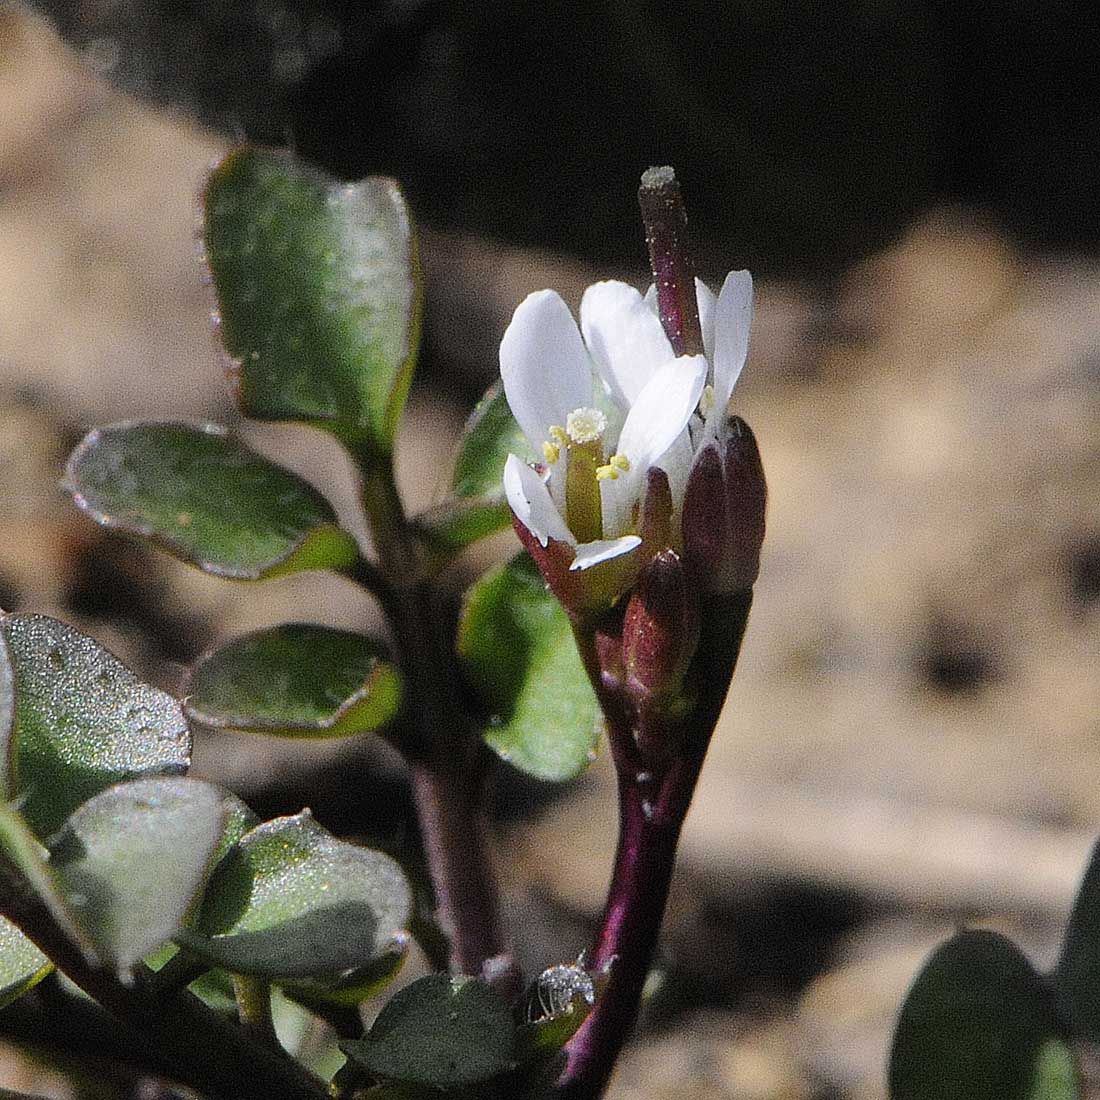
[
  {"x": 441, "y": 1032},
  {"x": 476, "y": 506},
  {"x": 22, "y": 965},
  {"x": 131, "y": 861},
  {"x": 975, "y": 1025},
  {"x": 291, "y": 901},
  {"x": 517, "y": 647},
  {"x": 297, "y": 680},
  {"x": 205, "y": 497},
  {"x": 83, "y": 722},
  {"x": 491, "y": 434},
  {"x": 319, "y": 292}
]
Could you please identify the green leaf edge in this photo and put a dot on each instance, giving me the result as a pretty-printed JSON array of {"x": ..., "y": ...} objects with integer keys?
[
  {"x": 379, "y": 436},
  {"x": 326, "y": 988},
  {"x": 384, "y": 683},
  {"x": 326, "y": 546}
]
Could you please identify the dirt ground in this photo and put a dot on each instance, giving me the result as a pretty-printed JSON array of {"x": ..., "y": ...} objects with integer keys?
[{"x": 912, "y": 741}]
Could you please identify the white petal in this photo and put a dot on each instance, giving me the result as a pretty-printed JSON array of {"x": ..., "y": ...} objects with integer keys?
[
  {"x": 676, "y": 462},
  {"x": 546, "y": 371},
  {"x": 654, "y": 422},
  {"x": 624, "y": 336},
  {"x": 662, "y": 410},
  {"x": 592, "y": 553},
  {"x": 732, "y": 321},
  {"x": 706, "y": 300},
  {"x": 530, "y": 500}
]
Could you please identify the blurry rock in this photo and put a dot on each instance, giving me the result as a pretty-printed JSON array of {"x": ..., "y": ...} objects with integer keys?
[{"x": 713, "y": 1056}]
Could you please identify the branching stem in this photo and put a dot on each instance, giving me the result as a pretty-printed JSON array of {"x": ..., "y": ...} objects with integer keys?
[
  {"x": 194, "y": 1046},
  {"x": 445, "y": 754}
]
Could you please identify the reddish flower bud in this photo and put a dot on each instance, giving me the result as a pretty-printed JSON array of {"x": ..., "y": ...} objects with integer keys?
[
  {"x": 723, "y": 513},
  {"x": 660, "y": 631}
]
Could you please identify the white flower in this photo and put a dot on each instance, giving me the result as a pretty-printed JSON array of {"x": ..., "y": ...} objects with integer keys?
[{"x": 604, "y": 408}]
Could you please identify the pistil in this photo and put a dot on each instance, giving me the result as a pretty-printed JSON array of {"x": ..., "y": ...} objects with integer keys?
[{"x": 665, "y": 222}]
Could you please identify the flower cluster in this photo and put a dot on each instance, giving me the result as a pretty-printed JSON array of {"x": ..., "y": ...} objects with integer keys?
[{"x": 607, "y": 405}]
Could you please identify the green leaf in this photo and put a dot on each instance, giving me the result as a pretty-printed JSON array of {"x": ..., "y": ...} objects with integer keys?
[
  {"x": 319, "y": 292},
  {"x": 297, "y": 680},
  {"x": 83, "y": 722},
  {"x": 974, "y": 1026},
  {"x": 491, "y": 434},
  {"x": 131, "y": 861},
  {"x": 456, "y": 523},
  {"x": 353, "y": 986},
  {"x": 518, "y": 650},
  {"x": 1056, "y": 1074},
  {"x": 293, "y": 902},
  {"x": 239, "y": 819},
  {"x": 22, "y": 965},
  {"x": 477, "y": 507},
  {"x": 441, "y": 1032},
  {"x": 26, "y": 853},
  {"x": 1077, "y": 975},
  {"x": 207, "y": 498}
]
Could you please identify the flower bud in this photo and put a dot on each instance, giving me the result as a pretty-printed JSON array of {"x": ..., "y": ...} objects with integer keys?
[
  {"x": 660, "y": 631},
  {"x": 723, "y": 512}
]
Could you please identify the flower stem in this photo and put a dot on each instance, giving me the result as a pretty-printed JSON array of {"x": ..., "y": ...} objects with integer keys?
[
  {"x": 444, "y": 754},
  {"x": 653, "y": 803}
]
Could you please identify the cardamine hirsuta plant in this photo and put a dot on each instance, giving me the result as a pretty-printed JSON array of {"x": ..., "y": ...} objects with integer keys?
[{"x": 152, "y": 923}]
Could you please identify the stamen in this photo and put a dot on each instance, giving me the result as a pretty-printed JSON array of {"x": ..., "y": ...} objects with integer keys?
[
  {"x": 706, "y": 402},
  {"x": 553, "y": 446},
  {"x": 585, "y": 425},
  {"x": 616, "y": 464}
]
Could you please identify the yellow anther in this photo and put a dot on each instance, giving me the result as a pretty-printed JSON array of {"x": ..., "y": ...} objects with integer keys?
[
  {"x": 558, "y": 435},
  {"x": 706, "y": 402},
  {"x": 616, "y": 464},
  {"x": 552, "y": 452}
]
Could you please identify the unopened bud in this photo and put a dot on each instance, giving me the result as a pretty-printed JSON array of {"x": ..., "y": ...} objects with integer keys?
[
  {"x": 655, "y": 524},
  {"x": 723, "y": 513},
  {"x": 660, "y": 631}
]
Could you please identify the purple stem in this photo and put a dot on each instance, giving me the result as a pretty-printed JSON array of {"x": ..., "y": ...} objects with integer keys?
[{"x": 653, "y": 803}]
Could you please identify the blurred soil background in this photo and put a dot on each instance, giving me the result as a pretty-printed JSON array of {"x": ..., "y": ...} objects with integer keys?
[{"x": 912, "y": 741}]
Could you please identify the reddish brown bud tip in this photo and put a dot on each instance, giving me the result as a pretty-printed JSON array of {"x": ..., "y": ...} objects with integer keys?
[
  {"x": 660, "y": 630},
  {"x": 655, "y": 526},
  {"x": 723, "y": 513}
]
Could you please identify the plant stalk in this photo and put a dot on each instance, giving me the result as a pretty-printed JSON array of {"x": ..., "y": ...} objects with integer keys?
[
  {"x": 653, "y": 803},
  {"x": 445, "y": 758}
]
